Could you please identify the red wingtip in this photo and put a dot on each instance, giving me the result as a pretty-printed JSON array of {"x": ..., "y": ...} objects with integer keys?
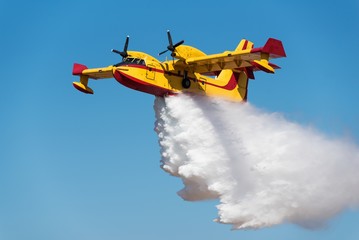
[
  {"x": 82, "y": 88},
  {"x": 78, "y": 68},
  {"x": 274, "y": 66},
  {"x": 263, "y": 65}
]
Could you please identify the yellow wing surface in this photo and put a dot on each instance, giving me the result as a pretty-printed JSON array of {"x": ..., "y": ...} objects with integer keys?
[
  {"x": 85, "y": 74},
  {"x": 244, "y": 56}
]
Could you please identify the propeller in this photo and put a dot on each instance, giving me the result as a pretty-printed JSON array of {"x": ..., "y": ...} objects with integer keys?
[
  {"x": 171, "y": 47},
  {"x": 124, "y": 52}
]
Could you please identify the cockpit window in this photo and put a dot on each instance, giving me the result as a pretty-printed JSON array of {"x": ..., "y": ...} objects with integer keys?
[{"x": 129, "y": 60}]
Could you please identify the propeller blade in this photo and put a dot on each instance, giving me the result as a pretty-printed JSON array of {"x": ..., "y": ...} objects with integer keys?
[
  {"x": 169, "y": 38},
  {"x": 126, "y": 44},
  {"x": 177, "y": 44},
  {"x": 124, "y": 52},
  {"x": 163, "y": 52},
  {"x": 171, "y": 47},
  {"x": 115, "y": 51}
]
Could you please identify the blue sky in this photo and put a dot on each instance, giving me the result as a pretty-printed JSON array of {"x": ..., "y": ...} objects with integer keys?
[{"x": 74, "y": 166}]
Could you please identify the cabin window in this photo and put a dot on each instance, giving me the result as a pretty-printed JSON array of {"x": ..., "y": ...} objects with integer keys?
[{"x": 129, "y": 60}]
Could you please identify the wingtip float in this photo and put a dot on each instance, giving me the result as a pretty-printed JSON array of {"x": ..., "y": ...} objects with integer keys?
[{"x": 191, "y": 70}]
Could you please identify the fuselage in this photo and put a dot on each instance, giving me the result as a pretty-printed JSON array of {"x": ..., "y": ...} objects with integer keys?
[{"x": 142, "y": 72}]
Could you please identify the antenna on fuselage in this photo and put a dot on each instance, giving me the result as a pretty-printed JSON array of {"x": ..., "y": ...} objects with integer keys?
[{"x": 123, "y": 53}]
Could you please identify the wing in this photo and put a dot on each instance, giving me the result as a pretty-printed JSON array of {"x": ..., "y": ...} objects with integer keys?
[
  {"x": 85, "y": 74},
  {"x": 244, "y": 56},
  {"x": 94, "y": 73}
]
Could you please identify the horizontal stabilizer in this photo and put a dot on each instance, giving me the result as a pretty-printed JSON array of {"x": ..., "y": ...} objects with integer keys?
[{"x": 263, "y": 65}]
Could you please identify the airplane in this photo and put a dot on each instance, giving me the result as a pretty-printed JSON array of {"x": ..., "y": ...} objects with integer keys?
[{"x": 190, "y": 70}]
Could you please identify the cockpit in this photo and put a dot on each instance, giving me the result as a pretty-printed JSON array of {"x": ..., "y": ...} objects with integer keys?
[{"x": 130, "y": 60}]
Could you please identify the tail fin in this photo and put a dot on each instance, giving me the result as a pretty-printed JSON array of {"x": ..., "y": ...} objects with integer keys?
[
  {"x": 244, "y": 45},
  {"x": 237, "y": 81},
  {"x": 274, "y": 48}
]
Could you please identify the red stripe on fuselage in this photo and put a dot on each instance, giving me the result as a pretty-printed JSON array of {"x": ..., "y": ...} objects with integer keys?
[
  {"x": 232, "y": 83},
  {"x": 144, "y": 67},
  {"x": 139, "y": 85}
]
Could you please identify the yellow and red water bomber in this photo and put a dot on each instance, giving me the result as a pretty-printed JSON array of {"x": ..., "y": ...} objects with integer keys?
[{"x": 190, "y": 70}]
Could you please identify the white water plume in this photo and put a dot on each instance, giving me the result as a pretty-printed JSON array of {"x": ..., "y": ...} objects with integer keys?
[{"x": 264, "y": 169}]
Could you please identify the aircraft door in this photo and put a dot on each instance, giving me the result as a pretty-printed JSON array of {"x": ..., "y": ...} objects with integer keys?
[{"x": 150, "y": 72}]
